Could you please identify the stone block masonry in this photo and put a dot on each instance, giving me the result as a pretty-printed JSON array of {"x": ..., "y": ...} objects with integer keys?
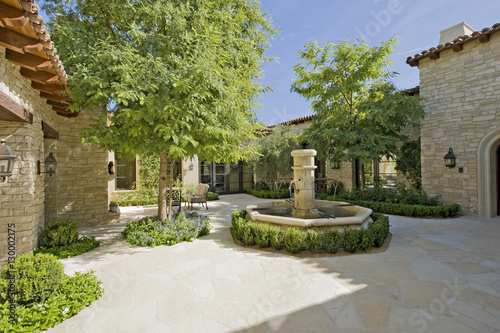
[
  {"x": 29, "y": 201},
  {"x": 459, "y": 91}
]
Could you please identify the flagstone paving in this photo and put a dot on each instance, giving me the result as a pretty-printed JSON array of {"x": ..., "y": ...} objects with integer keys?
[{"x": 436, "y": 276}]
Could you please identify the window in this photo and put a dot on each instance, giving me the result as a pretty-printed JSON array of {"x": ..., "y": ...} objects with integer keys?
[{"x": 125, "y": 173}]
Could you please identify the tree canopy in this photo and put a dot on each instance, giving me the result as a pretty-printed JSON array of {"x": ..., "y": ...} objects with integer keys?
[
  {"x": 360, "y": 114},
  {"x": 179, "y": 77},
  {"x": 274, "y": 157}
]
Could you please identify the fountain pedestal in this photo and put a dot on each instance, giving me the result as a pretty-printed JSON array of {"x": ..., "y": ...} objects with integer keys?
[{"x": 303, "y": 174}]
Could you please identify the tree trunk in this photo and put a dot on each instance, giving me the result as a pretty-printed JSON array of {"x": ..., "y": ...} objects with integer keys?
[
  {"x": 170, "y": 188},
  {"x": 362, "y": 176},
  {"x": 162, "y": 186}
]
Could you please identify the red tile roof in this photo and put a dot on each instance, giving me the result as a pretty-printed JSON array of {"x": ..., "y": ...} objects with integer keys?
[{"x": 456, "y": 45}]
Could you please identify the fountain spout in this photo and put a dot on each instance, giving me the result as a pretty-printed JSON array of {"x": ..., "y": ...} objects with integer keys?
[{"x": 292, "y": 185}]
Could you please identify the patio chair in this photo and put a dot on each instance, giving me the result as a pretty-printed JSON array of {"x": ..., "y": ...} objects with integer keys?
[
  {"x": 176, "y": 197},
  {"x": 200, "y": 196}
]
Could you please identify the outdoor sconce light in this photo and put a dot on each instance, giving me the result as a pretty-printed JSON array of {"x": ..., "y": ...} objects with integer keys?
[
  {"x": 336, "y": 165},
  {"x": 50, "y": 165},
  {"x": 7, "y": 158},
  {"x": 449, "y": 159},
  {"x": 111, "y": 168},
  {"x": 191, "y": 166}
]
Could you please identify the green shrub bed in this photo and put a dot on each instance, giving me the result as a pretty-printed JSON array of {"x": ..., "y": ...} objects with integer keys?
[
  {"x": 82, "y": 245},
  {"x": 149, "y": 231},
  {"x": 45, "y": 296},
  {"x": 295, "y": 240},
  {"x": 268, "y": 194},
  {"x": 60, "y": 238}
]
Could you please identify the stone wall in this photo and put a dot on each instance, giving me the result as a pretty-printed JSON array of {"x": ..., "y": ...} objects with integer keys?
[
  {"x": 77, "y": 191},
  {"x": 459, "y": 91}
]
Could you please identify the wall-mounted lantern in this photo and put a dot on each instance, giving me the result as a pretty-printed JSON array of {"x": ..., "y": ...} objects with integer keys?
[
  {"x": 7, "y": 158},
  {"x": 336, "y": 165},
  {"x": 111, "y": 168},
  {"x": 191, "y": 166},
  {"x": 50, "y": 165},
  {"x": 449, "y": 159}
]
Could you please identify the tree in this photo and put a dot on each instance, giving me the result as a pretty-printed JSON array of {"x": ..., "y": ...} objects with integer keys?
[
  {"x": 360, "y": 115},
  {"x": 408, "y": 162},
  {"x": 179, "y": 77},
  {"x": 274, "y": 157}
]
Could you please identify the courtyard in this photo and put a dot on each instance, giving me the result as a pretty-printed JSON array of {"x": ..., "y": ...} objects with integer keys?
[{"x": 438, "y": 275}]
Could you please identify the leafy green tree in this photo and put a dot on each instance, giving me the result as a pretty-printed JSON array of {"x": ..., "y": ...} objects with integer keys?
[
  {"x": 360, "y": 115},
  {"x": 178, "y": 77},
  {"x": 274, "y": 157},
  {"x": 408, "y": 162}
]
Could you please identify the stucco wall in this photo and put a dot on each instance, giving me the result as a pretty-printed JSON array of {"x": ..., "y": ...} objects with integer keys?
[{"x": 459, "y": 91}]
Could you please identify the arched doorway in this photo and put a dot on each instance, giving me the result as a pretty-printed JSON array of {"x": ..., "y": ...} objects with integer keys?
[
  {"x": 497, "y": 174},
  {"x": 488, "y": 169}
]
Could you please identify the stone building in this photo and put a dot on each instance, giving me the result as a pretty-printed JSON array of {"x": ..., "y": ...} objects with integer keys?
[
  {"x": 459, "y": 89},
  {"x": 36, "y": 121}
]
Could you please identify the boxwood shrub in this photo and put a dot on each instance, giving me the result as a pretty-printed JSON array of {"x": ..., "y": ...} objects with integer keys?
[
  {"x": 59, "y": 233},
  {"x": 72, "y": 295},
  {"x": 295, "y": 240},
  {"x": 35, "y": 277}
]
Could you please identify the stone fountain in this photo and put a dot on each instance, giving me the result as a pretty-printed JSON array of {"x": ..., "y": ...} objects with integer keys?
[{"x": 304, "y": 210}]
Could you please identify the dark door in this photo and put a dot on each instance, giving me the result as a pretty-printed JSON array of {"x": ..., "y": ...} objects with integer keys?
[
  {"x": 497, "y": 175},
  {"x": 226, "y": 178}
]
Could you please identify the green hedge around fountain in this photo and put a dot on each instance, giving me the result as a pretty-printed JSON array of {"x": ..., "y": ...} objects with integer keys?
[{"x": 295, "y": 240}]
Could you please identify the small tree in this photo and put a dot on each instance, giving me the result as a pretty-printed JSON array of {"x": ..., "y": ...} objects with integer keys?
[
  {"x": 179, "y": 77},
  {"x": 360, "y": 115},
  {"x": 274, "y": 157},
  {"x": 408, "y": 162}
]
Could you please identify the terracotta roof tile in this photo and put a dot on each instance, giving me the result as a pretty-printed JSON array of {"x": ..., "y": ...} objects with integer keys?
[{"x": 456, "y": 45}]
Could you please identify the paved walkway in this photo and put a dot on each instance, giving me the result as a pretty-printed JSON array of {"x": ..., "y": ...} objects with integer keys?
[{"x": 436, "y": 276}]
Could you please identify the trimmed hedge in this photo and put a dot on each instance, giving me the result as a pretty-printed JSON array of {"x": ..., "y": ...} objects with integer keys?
[
  {"x": 296, "y": 240},
  {"x": 266, "y": 194},
  {"x": 443, "y": 211},
  {"x": 410, "y": 210}
]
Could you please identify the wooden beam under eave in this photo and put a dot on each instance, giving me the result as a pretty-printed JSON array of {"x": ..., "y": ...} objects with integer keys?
[
  {"x": 12, "y": 111},
  {"x": 48, "y": 88},
  {"x": 18, "y": 42},
  {"x": 49, "y": 132},
  {"x": 64, "y": 109},
  {"x": 54, "y": 97},
  {"x": 68, "y": 114},
  {"x": 9, "y": 12},
  {"x": 40, "y": 77},
  {"x": 28, "y": 61},
  {"x": 60, "y": 105}
]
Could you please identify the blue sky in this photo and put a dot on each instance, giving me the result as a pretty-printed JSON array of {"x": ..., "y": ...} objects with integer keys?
[{"x": 416, "y": 23}]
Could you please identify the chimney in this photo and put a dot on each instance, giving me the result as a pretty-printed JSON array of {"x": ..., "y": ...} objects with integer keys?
[{"x": 461, "y": 29}]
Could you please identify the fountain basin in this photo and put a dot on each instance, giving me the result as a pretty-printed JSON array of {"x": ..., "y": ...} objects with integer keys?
[{"x": 325, "y": 215}]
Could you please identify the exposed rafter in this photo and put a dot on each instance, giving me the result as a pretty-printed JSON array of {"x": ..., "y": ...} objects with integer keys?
[{"x": 28, "y": 45}]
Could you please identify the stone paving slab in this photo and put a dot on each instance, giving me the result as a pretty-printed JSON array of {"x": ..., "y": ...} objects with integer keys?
[{"x": 436, "y": 276}]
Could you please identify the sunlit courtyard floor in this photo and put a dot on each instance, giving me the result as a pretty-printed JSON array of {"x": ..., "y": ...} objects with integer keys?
[{"x": 437, "y": 276}]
